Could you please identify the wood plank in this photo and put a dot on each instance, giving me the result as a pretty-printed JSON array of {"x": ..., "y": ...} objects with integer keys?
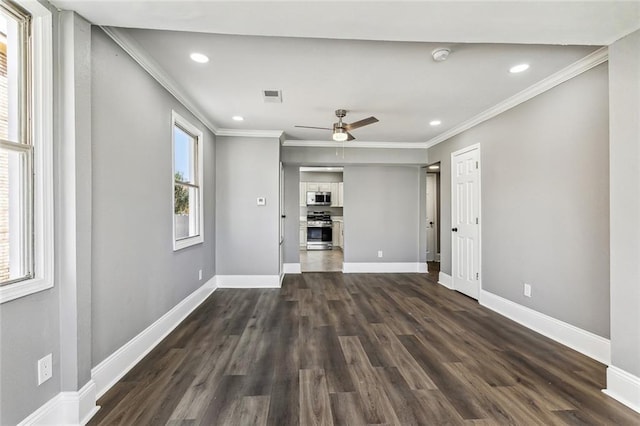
[{"x": 315, "y": 405}]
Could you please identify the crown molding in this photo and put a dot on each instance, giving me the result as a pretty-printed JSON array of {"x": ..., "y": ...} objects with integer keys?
[
  {"x": 250, "y": 133},
  {"x": 330, "y": 144},
  {"x": 596, "y": 58},
  {"x": 139, "y": 55}
]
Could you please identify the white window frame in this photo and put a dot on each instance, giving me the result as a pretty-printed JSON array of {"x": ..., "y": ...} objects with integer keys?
[
  {"x": 182, "y": 123},
  {"x": 42, "y": 140}
]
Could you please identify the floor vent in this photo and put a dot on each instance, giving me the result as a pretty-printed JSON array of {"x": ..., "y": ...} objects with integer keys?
[{"x": 272, "y": 96}]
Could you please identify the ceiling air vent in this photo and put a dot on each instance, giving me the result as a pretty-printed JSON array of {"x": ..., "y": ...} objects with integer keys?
[{"x": 272, "y": 96}]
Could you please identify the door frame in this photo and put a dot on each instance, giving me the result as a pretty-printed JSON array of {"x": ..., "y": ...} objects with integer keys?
[
  {"x": 433, "y": 176},
  {"x": 480, "y": 220}
]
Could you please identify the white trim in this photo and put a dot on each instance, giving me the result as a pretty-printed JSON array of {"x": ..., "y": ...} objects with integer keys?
[
  {"x": 143, "y": 59},
  {"x": 445, "y": 280},
  {"x": 42, "y": 138},
  {"x": 250, "y": 133},
  {"x": 362, "y": 144},
  {"x": 383, "y": 267},
  {"x": 108, "y": 372},
  {"x": 66, "y": 408},
  {"x": 248, "y": 281},
  {"x": 291, "y": 268},
  {"x": 583, "y": 341},
  {"x": 596, "y": 58},
  {"x": 623, "y": 387},
  {"x": 185, "y": 125}
]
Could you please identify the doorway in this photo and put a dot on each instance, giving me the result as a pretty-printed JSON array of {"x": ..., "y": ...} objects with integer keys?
[
  {"x": 433, "y": 212},
  {"x": 465, "y": 221},
  {"x": 321, "y": 219}
]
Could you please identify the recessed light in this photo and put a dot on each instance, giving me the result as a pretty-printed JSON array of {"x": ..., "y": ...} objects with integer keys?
[
  {"x": 434, "y": 167},
  {"x": 435, "y": 122},
  {"x": 237, "y": 118},
  {"x": 199, "y": 58},
  {"x": 518, "y": 68}
]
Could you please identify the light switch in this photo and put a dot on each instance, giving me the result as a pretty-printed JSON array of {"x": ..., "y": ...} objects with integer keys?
[{"x": 262, "y": 201}]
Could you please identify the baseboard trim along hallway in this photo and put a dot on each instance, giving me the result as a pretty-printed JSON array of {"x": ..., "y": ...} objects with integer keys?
[
  {"x": 624, "y": 387},
  {"x": 113, "y": 368},
  {"x": 66, "y": 408},
  {"x": 291, "y": 268},
  {"x": 445, "y": 280},
  {"x": 587, "y": 343},
  {"x": 383, "y": 267}
]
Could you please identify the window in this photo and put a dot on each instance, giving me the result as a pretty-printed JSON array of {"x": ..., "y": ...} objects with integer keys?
[
  {"x": 187, "y": 183},
  {"x": 26, "y": 234}
]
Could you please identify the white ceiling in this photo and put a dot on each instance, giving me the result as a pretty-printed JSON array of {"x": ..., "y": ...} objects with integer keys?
[{"x": 329, "y": 55}]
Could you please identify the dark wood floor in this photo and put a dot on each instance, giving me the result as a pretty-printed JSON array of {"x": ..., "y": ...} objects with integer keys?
[{"x": 358, "y": 349}]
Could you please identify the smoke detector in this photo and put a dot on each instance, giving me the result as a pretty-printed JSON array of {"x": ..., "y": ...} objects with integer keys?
[{"x": 440, "y": 54}]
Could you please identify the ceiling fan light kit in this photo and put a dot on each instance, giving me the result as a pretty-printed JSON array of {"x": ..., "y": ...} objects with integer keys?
[{"x": 340, "y": 130}]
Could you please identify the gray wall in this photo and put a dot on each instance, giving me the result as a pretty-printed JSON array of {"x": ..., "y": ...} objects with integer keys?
[
  {"x": 391, "y": 225},
  {"x": 624, "y": 69},
  {"x": 30, "y": 327},
  {"x": 545, "y": 201},
  {"x": 137, "y": 277},
  {"x": 29, "y": 330},
  {"x": 247, "y": 235},
  {"x": 292, "y": 211}
]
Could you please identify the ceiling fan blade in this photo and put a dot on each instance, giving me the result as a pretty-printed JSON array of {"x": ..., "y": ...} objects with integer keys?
[
  {"x": 350, "y": 137},
  {"x": 361, "y": 123},
  {"x": 311, "y": 127}
]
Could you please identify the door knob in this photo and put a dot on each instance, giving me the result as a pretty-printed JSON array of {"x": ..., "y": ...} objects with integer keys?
[{"x": 454, "y": 229}]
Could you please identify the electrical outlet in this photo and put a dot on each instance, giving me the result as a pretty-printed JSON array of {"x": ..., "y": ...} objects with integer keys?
[
  {"x": 527, "y": 290},
  {"x": 379, "y": 253},
  {"x": 200, "y": 274},
  {"x": 45, "y": 369}
]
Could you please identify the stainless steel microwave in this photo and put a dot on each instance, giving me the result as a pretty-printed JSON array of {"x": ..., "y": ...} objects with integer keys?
[{"x": 318, "y": 198}]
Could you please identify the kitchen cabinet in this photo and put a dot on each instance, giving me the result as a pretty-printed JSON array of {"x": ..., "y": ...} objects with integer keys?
[
  {"x": 340, "y": 194},
  {"x": 303, "y": 194},
  {"x": 337, "y": 233},
  {"x": 303, "y": 234},
  {"x": 319, "y": 186},
  {"x": 334, "y": 194}
]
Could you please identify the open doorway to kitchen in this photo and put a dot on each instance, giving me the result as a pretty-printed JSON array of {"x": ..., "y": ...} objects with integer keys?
[
  {"x": 433, "y": 216},
  {"x": 321, "y": 219}
]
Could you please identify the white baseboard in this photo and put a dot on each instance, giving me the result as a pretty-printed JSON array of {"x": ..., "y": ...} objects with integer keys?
[
  {"x": 383, "y": 267},
  {"x": 445, "y": 280},
  {"x": 291, "y": 268},
  {"x": 583, "y": 341},
  {"x": 624, "y": 387},
  {"x": 112, "y": 369},
  {"x": 66, "y": 408},
  {"x": 248, "y": 281}
]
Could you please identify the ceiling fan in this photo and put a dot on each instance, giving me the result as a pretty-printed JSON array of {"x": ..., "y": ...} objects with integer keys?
[{"x": 341, "y": 130}]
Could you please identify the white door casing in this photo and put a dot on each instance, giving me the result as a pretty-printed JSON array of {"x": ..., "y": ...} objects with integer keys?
[
  {"x": 431, "y": 217},
  {"x": 465, "y": 221}
]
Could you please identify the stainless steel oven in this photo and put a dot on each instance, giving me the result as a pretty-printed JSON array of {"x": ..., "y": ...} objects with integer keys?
[{"x": 319, "y": 231}]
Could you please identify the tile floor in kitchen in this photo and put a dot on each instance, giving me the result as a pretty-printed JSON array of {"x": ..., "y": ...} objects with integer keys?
[{"x": 321, "y": 260}]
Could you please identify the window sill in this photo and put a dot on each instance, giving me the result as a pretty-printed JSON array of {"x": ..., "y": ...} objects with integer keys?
[
  {"x": 23, "y": 288},
  {"x": 187, "y": 242}
]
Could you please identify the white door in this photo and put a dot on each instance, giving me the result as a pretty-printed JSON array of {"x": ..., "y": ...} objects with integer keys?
[
  {"x": 431, "y": 217},
  {"x": 465, "y": 220}
]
